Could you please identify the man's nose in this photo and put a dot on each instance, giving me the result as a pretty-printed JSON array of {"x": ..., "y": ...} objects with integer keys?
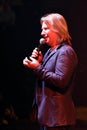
[{"x": 42, "y": 33}]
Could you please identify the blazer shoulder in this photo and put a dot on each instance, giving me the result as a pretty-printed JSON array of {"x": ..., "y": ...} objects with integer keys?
[{"x": 67, "y": 49}]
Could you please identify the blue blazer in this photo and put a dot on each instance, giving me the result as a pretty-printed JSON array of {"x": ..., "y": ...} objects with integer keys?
[{"x": 55, "y": 86}]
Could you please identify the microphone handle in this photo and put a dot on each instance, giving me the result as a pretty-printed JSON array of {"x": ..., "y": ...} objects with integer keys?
[{"x": 39, "y": 48}]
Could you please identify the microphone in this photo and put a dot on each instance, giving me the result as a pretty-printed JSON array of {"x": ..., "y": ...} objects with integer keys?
[
  {"x": 41, "y": 43},
  {"x": 40, "y": 46}
]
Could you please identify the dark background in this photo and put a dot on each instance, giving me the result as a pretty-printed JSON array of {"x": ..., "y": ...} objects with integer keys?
[{"x": 20, "y": 33}]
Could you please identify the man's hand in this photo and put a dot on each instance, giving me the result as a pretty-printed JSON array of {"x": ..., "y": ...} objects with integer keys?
[
  {"x": 32, "y": 63},
  {"x": 37, "y": 54}
]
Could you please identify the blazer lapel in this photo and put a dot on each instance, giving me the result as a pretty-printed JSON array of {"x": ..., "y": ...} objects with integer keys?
[{"x": 47, "y": 57}]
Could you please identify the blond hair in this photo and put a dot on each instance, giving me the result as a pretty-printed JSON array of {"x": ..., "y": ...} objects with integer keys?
[{"x": 59, "y": 25}]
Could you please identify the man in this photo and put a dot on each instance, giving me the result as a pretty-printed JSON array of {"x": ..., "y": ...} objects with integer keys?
[{"x": 55, "y": 73}]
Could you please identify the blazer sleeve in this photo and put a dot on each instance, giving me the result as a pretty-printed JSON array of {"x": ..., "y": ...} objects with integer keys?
[{"x": 66, "y": 62}]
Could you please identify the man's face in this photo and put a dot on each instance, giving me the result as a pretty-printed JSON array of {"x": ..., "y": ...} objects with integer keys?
[{"x": 49, "y": 35}]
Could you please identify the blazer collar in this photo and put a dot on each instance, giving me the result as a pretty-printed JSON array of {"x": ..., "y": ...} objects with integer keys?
[{"x": 52, "y": 52}]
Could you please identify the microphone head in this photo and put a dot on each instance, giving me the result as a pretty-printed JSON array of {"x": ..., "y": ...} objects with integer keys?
[{"x": 42, "y": 41}]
